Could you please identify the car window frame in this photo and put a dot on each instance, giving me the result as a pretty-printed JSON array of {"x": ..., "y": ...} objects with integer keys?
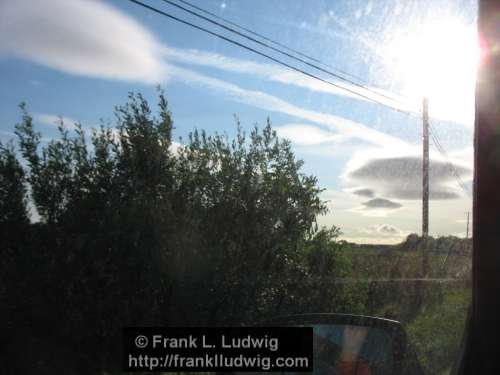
[{"x": 480, "y": 347}]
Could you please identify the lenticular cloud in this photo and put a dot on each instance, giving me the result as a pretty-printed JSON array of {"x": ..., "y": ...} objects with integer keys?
[{"x": 82, "y": 37}]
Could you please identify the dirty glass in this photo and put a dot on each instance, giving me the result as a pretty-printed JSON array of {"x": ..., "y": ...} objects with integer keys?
[{"x": 198, "y": 163}]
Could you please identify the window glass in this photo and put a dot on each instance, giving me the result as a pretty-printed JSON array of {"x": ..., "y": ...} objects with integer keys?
[{"x": 180, "y": 163}]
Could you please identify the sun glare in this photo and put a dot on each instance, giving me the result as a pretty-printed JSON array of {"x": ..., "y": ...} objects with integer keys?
[{"x": 438, "y": 60}]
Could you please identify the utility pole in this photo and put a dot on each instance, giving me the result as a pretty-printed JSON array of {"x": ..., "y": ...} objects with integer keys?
[
  {"x": 425, "y": 169},
  {"x": 467, "y": 233}
]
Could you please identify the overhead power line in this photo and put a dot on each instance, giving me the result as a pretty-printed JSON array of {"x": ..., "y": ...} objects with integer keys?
[
  {"x": 451, "y": 165},
  {"x": 276, "y": 60},
  {"x": 278, "y": 50},
  {"x": 455, "y": 174},
  {"x": 259, "y": 35},
  {"x": 443, "y": 152},
  {"x": 432, "y": 132}
]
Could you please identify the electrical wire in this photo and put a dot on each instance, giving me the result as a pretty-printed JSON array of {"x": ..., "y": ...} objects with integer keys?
[
  {"x": 440, "y": 148},
  {"x": 241, "y": 45},
  {"x": 232, "y": 30},
  {"x": 432, "y": 132},
  {"x": 309, "y": 57},
  {"x": 454, "y": 170},
  {"x": 260, "y": 36}
]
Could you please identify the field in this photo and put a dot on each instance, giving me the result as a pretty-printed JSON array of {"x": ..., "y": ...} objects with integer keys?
[{"x": 432, "y": 306}]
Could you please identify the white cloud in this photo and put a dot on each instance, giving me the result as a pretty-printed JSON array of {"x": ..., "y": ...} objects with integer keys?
[
  {"x": 83, "y": 37},
  {"x": 307, "y": 135},
  {"x": 363, "y": 192},
  {"x": 362, "y": 227},
  {"x": 371, "y": 240},
  {"x": 363, "y": 210},
  {"x": 274, "y": 73},
  {"x": 398, "y": 175},
  {"x": 377, "y": 207},
  {"x": 386, "y": 230},
  {"x": 377, "y": 203},
  {"x": 92, "y": 38},
  {"x": 354, "y": 224},
  {"x": 259, "y": 99},
  {"x": 54, "y": 120}
]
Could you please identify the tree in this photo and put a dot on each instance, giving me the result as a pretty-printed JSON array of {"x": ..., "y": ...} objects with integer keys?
[
  {"x": 246, "y": 206},
  {"x": 13, "y": 203},
  {"x": 222, "y": 231}
]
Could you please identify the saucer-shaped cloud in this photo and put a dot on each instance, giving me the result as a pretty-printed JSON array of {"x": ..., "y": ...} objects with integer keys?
[
  {"x": 364, "y": 192},
  {"x": 401, "y": 177},
  {"x": 382, "y": 203},
  {"x": 83, "y": 37},
  {"x": 377, "y": 207}
]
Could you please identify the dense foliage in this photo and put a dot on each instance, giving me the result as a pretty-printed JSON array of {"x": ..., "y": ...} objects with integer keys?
[{"x": 134, "y": 231}]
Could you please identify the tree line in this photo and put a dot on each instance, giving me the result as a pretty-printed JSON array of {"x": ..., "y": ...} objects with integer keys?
[{"x": 136, "y": 232}]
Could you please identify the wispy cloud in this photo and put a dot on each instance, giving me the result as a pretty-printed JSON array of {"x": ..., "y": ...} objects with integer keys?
[
  {"x": 308, "y": 135},
  {"x": 55, "y": 120},
  {"x": 262, "y": 100},
  {"x": 92, "y": 38},
  {"x": 82, "y": 37},
  {"x": 130, "y": 52},
  {"x": 276, "y": 73}
]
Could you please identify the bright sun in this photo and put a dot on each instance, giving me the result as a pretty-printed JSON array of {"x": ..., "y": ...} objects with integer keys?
[{"x": 438, "y": 60}]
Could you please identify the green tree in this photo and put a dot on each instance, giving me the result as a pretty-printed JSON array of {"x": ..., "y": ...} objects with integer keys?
[
  {"x": 13, "y": 203},
  {"x": 221, "y": 231}
]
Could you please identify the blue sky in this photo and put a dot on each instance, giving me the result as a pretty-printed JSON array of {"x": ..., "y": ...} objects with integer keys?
[{"x": 79, "y": 59}]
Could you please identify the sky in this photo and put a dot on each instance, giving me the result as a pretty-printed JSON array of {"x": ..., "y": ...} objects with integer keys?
[{"x": 78, "y": 59}]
